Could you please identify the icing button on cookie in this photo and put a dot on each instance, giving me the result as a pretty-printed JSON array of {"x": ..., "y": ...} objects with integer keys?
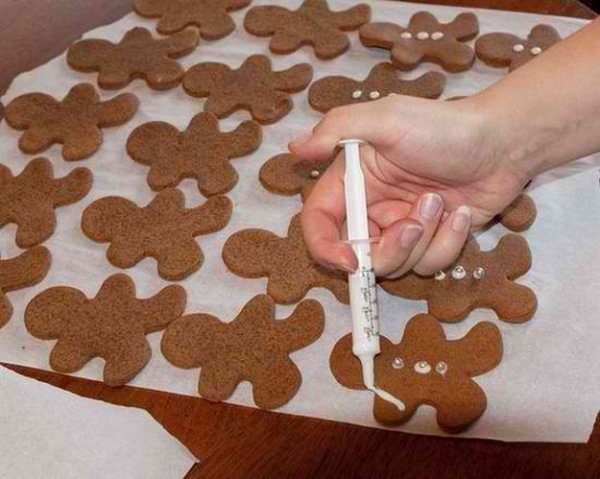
[
  {"x": 422, "y": 35},
  {"x": 458, "y": 272},
  {"x": 356, "y": 94},
  {"x": 439, "y": 276},
  {"x": 398, "y": 363},
  {"x": 441, "y": 368},
  {"x": 479, "y": 273},
  {"x": 374, "y": 95},
  {"x": 536, "y": 50},
  {"x": 518, "y": 48},
  {"x": 422, "y": 367},
  {"x": 437, "y": 35}
]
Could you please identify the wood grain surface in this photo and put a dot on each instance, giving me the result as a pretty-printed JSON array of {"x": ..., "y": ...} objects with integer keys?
[{"x": 239, "y": 442}]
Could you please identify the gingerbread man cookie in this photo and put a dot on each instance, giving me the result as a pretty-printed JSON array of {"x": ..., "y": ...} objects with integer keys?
[
  {"x": 137, "y": 55},
  {"x": 164, "y": 230},
  {"x": 383, "y": 80},
  {"x": 312, "y": 24},
  {"x": 520, "y": 214},
  {"x": 210, "y": 16},
  {"x": 425, "y": 368},
  {"x": 201, "y": 152},
  {"x": 29, "y": 198},
  {"x": 479, "y": 279},
  {"x": 254, "y": 87},
  {"x": 425, "y": 40},
  {"x": 285, "y": 174},
  {"x": 27, "y": 269},
  {"x": 112, "y": 326},
  {"x": 254, "y": 347},
  {"x": 75, "y": 122},
  {"x": 289, "y": 267},
  {"x": 508, "y": 50}
]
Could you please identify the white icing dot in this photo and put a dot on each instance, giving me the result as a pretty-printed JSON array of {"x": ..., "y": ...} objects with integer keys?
[
  {"x": 397, "y": 363},
  {"x": 437, "y": 35},
  {"x": 406, "y": 35},
  {"x": 422, "y": 35},
  {"x": 422, "y": 367},
  {"x": 440, "y": 276},
  {"x": 315, "y": 173},
  {"x": 356, "y": 94},
  {"x": 374, "y": 95},
  {"x": 459, "y": 272},
  {"x": 536, "y": 50},
  {"x": 441, "y": 368},
  {"x": 518, "y": 48},
  {"x": 479, "y": 273}
]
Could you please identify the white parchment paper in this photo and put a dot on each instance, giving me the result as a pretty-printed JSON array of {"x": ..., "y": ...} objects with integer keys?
[
  {"x": 547, "y": 388},
  {"x": 54, "y": 434}
]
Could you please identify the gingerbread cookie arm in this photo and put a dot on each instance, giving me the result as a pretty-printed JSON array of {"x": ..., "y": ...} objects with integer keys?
[
  {"x": 520, "y": 214},
  {"x": 245, "y": 139},
  {"x": 203, "y": 79},
  {"x": 27, "y": 269},
  {"x": 455, "y": 57},
  {"x": 163, "y": 308},
  {"x": 263, "y": 21},
  {"x": 276, "y": 384},
  {"x": 211, "y": 216},
  {"x": 352, "y": 18},
  {"x": 181, "y": 43},
  {"x": 380, "y": 34},
  {"x": 479, "y": 351},
  {"x": 514, "y": 303},
  {"x": 73, "y": 187},
  {"x": 346, "y": 367},
  {"x": 294, "y": 79},
  {"x": 247, "y": 252},
  {"x": 303, "y": 327},
  {"x": 514, "y": 253},
  {"x": 24, "y": 110},
  {"x": 496, "y": 49},
  {"x": 68, "y": 356},
  {"x": 331, "y": 92},
  {"x": 98, "y": 219},
  {"x": 6, "y": 309},
  {"x": 152, "y": 141},
  {"x": 118, "y": 110},
  {"x": 278, "y": 175},
  {"x": 47, "y": 313},
  {"x": 87, "y": 55},
  {"x": 464, "y": 27},
  {"x": 123, "y": 364}
]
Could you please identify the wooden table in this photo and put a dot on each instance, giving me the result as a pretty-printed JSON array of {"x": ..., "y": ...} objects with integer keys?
[{"x": 234, "y": 441}]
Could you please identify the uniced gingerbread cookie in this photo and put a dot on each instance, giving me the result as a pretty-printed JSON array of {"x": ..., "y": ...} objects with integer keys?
[
  {"x": 201, "y": 152},
  {"x": 29, "y": 198},
  {"x": 478, "y": 279},
  {"x": 254, "y": 87},
  {"x": 164, "y": 230},
  {"x": 254, "y": 347},
  {"x": 112, "y": 326},
  {"x": 425, "y": 40},
  {"x": 520, "y": 214},
  {"x": 211, "y": 17},
  {"x": 286, "y": 262},
  {"x": 508, "y": 50},
  {"x": 76, "y": 122},
  {"x": 383, "y": 80},
  {"x": 313, "y": 23},
  {"x": 425, "y": 368},
  {"x": 137, "y": 55}
]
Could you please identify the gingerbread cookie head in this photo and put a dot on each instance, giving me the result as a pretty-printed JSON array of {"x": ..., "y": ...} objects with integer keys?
[
  {"x": 211, "y": 17},
  {"x": 286, "y": 262},
  {"x": 29, "y": 199},
  {"x": 478, "y": 279},
  {"x": 508, "y": 50},
  {"x": 287, "y": 175},
  {"x": 312, "y": 24},
  {"x": 112, "y": 326},
  {"x": 425, "y": 40},
  {"x": 137, "y": 55},
  {"x": 75, "y": 122},
  {"x": 254, "y": 347},
  {"x": 164, "y": 230},
  {"x": 383, "y": 80},
  {"x": 27, "y": 269},
  {"x": 254, "y": 87},
  {"x": 201, "y": 152},
  {"x": 425, "y": 368},
  {"x": 520, "y": 214}
]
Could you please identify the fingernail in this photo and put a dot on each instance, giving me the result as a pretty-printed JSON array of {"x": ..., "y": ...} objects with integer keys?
[
  {"x": 346, "y": 267},
  {"x": 462, "y": 219},
  {"x": 430, "y": 206},
  {"x": 410, "y": 235},
  {"x": 301, "y": 139}
]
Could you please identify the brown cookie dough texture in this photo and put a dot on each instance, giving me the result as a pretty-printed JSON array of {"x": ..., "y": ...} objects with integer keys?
[
  {"x": 383, "y": 80},
  {"x": 201, "y": 152},
  {"x": 75, "y": 122},
  {"x": 211, "y": 17},
  {"x": 478, "y": 279},
  {"x": 312, "y": 24},
  {"x": 254, "y": 87},
  {"x": 520, "y": 214},
  {"x": 164, "y": 230},
  {"x": 425, "y": 368},
  {"x": 29, "y": 199},
  {"x": 254, "y": 347},
  {"x": 425, "y": 40},
  {"x": 286, "y": 262},
  {"x": 137, "y": 55},
  {"x": 508, "y": 50},
  {"x": 285, "y": 174},
  {"x": 112, "y": 326},
  {"x": 27, "y": 269}
]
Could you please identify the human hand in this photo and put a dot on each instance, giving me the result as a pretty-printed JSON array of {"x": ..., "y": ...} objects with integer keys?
[{"x": 433, "y": 171}]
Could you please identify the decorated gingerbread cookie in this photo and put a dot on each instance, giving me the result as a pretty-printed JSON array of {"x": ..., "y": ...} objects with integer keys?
[
  {"x": 425, "y": 368},
  {"x": 112, "y": 326},
  {"x": 201, "y": 152},
  {"x": 27, "y": 269},
  {"x": 478, "y": 279},
  {"x": 254, "y": 87},
  {"x": 254, "y": 347},
  {"x": 211, "y": 17},
  {"x": 75, "y": 122},
  {"x": 520, "y": 214},
  {"x": 383, "y": 80},
  {"x": 312, "y": 24},
  {"x": 508, "y": 50},
  {"x": 164, "y": 230},
  {"x": 137, "y": 55},
  {"x": 289, "y": 267},
  {"x": 285, "y": 174},
  {"x": 29, "y": 198},
  {"x": 425, "y": 40}
]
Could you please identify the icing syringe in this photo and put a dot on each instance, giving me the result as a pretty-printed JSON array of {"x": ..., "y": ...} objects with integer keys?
[{"x": 363, "y": 293}]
